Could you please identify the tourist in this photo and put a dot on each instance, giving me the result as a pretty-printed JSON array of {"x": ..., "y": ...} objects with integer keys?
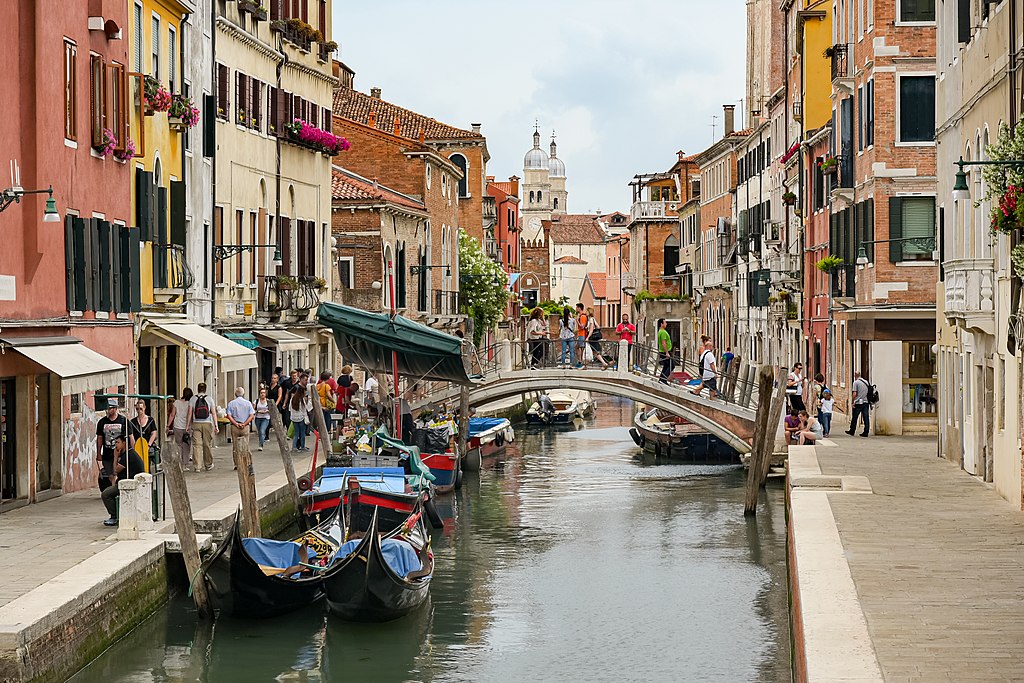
[
  {"x": 664, "y": 350},
  {"x": 812, "y": 429},
  {"x": 567, "y": 333},
  {"x": 861, "y": 405},
  {"x": 704, "y": 341},
  {"x": 142, "y": 426},
  {"x": 582, "y": 323},
  {"x": 241, "y": 413},
  {"x": 817, "y": 387},
  {"x": 795, "y": 388},
  {"x": 727, "y": 358},
  {"x": 536, "y": 333},
  {"x": 371, "y": 395},
  {"x": 626, "y": 331},
  {"x": 300, "y": 406},
  {"x": 109, "y": 427},
  {"x": 327, "y": 392},
  {"x": 124, "y": 464},
  {"x": 203, "y": 424},
  {"x": 278, "y": 395},
  {"x": 177, "y": 418},
  {"x": 709, "y": 369},
  {"x": 594, "y": 338},
  {"x": 792, "y": 426},
  {"x": 825, "y": 408},
  {"x": 261, "y": 406},
  {"x": 346, "y": 392}
]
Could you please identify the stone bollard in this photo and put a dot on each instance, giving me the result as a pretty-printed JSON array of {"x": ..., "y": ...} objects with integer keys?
[
  {"x": 135, "y": 509},
  {"x": 505, "y": 356},
  {"x": 624, "y": 359}
]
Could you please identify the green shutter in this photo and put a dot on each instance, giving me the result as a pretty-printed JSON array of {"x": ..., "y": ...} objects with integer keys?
[
  {"x": 918, "y": 221},
  {"x": 69, "y": 261},
  {"x": 105, "y": 267},
  {"x": 178, "y": 212},
  {"x": 895, "y": 229}
]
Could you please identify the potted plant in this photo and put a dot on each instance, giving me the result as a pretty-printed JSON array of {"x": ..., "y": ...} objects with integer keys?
[
  {"x": 126, "y": 154},
  {"x": 773, "y": 299},
  {"x": 788, "y": 198},
  {"x": 286, "y": 282},
  {"x": 1008, "y": 216},
  {"x": 107, "y": 145},
  {"x": 1017, "y": 260},
  {"x": 155, "y": 96},
  {"x": 829, "y": 264},
  {"x": 182, "y": 114},
  {"x": 257, "y": 10},
  {"x": 783, "y": 295},
  {"x": 829, "y": 166}
]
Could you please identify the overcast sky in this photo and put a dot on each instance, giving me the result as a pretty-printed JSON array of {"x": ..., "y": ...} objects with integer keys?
[{"x": 624, "y": 85}]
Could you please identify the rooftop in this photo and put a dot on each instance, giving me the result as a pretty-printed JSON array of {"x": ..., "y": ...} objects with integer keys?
[
  {"x": 346, "y": 185},
  {"x": 356, "y": 106},
  {"x": 575, "y": 228},
  {"x": 570, "y": 260}
]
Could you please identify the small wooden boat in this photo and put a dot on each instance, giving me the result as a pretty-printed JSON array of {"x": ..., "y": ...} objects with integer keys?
[
  {"x": 446, "y": 468},
  {"x": 560, "y": 406},
  {"x": 488, "y": 437},
  {"x": 681, "y": 441},
  {"x": 397, "y": 494},
  {"x": 381, "y": 577},
  {"x": 262, "y": 577}
]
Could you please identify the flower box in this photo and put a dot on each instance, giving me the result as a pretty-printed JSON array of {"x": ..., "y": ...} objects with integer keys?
[{"x": 258, "y": 11}]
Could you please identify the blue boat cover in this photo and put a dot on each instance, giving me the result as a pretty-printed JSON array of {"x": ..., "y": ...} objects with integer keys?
[
  {"x": 271, "y": 553},
  {"x": 377, "y": 478},
  {"x": 478, "y": 425},
  {"x": 399, "y": 555}
]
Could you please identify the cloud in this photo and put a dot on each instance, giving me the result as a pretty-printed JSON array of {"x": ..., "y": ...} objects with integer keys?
[{"x": 625, "y": 86}]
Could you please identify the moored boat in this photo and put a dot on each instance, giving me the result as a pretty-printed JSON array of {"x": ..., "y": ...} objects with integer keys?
[
  {"x": 676, "y": 439},
  {"x": 560, "y": 406},
  {"x": 488, "y": 437}
]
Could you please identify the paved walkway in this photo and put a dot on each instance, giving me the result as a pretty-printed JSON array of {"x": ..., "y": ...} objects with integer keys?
[
  {"x": 40, "y": 541},
  {"x": 937, "y": 558}
]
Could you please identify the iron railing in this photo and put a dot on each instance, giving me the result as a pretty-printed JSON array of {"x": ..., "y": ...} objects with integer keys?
[
  {"x": 844, "y": 281},
  {"x": 285, "y": 293},
  {"x": 445, "y": 302},
  {"x": 170, "y": 268},
  {"x": 839, "y": 61}
]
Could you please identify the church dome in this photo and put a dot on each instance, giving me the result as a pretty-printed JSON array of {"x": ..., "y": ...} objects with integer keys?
[
  {"x": 536, "y": 158},
  {"x": 556, "y": 169}
]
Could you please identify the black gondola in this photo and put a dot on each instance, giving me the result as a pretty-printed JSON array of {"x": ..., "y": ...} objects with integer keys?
[
  {"x": 363, "y": 586},
  {"x": 244, "y": 586}
]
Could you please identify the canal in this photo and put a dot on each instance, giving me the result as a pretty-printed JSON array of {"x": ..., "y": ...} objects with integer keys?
[{"x": 567, "y": 560}]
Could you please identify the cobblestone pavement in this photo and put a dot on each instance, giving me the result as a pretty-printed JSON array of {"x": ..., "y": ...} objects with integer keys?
[
  {"x": 38, "y": 542},
  {"x": 937, "y": 558}
]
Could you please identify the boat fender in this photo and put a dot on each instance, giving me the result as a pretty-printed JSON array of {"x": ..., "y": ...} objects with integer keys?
[
  {"x": 304, "y": 483},
  {"x": 432, "y": 516},
  {"x": 499, "y": 439},
  {"x": 458, "y": 479},
  {"x": 638, "y": 439}
]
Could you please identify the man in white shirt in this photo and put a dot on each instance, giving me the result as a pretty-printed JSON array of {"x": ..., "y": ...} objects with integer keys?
[
  {"x": 240, "y": 415},
  {"x": 202, "y": 420},
  {"x": 709, "y": 369},
  {"x": 861, "y": 405},
  {"x": 371, "y": 387}
]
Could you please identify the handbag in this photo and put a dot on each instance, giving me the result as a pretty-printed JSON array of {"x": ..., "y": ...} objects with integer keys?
[
  {"x": 596, "y": 334},
  {"x": 291, "y": 430}
]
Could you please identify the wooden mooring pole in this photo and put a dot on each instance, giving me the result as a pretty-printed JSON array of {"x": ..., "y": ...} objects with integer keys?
[
  {"x": 184, "y": 526},
  {"x": 778, "y": 402},
  {"x": 286, "y": 457},
  {"x": 765, "y": 379},
  {"x": 246, "y": 482}
]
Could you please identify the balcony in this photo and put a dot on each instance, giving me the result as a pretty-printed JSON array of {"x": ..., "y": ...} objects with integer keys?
[
  {"x": 172, "y": 278},
  {"x": 842, "y": 77},
  {"x": 294, "y": 295},
  {"x": 446, "y": 303},
  {"x": 970, "y": 286},
  {"x": 844, "y": 282},
  {"x": 650, "y": 210}
]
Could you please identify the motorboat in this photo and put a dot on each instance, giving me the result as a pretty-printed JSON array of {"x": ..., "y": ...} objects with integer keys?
[
  {"x": 488, "y": 437},
  {"x": 560, "y": 406},
  {"x": 674, "y": 438}
]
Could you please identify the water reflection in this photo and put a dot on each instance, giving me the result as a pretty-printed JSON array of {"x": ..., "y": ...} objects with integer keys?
[{"x": 565, "y": 560}]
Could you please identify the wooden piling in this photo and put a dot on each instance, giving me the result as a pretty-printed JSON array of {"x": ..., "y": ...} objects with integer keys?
[
  {"x": 765, "y": 378},
  {"x": 286, "y": 457},
  {"x": 463, "y": 438},
  {"x": 184, "y": 526},
  {"x": 321, "y": 426},
  {"x": 774, "y": 416},
  {"x": 246, "y": 483}
]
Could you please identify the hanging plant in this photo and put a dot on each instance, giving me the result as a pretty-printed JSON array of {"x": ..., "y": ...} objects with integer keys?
[
  {"x": 829, "y": 264},
  {"x": 106, "y": 148},
  {"x": 1017, "y": 259},
  {"x": 830, "y": 165},
  {"x": 182, "y": 108},
  {"x": 156, "y": 96},
  {"x": 783, "y": 295},
  {"x": 126, "y": 154},
  {"x": 788, "y": 198},
  {"x": 1005, "y": 184}
]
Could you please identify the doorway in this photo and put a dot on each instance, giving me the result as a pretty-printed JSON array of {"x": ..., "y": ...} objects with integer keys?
[{"x": 8, "y": 442}]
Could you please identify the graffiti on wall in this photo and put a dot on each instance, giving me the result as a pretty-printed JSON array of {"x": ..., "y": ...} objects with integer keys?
[{"x": 78, "y": 441}]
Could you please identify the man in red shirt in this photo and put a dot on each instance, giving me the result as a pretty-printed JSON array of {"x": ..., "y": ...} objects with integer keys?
[{"x": 626, "y": 330}]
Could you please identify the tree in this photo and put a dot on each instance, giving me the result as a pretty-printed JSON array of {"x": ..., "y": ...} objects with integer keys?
[{"x": 483, "y": 286}]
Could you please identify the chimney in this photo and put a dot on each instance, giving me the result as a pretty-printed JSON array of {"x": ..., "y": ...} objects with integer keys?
[
  {"x": 398, "y": 127},
  {"x": 375, "y": 93},
  {"x": 730, "y": 119},
  {"x": 476, "y": 127},
  {"x": 372, "y": 119},
  {"x": 680, "y": 155}
]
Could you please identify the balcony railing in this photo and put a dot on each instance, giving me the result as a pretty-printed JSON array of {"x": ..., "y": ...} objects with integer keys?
[
  {"x": 445, "y": 302},
  {"x": 649, "y": 210},
  {"x": 970, "y": 287},
  {"x": 840, "y": 64},
  {"x": 844, "y": 282},
  {"x": 282, "y": 293}
]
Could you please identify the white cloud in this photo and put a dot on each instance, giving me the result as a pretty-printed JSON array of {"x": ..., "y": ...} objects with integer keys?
[{"x": 624, "y": 85}]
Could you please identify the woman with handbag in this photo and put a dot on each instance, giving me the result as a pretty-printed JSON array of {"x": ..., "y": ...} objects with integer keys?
[
  {"x": 594, "y": 338},
  {"x": 300, "y": 406},
  {"x": 567, "y": 333},
  {"x": 536, "y": 334},
  {"x": 178, "y": 420},
  {"x": 795, "y": 388}
]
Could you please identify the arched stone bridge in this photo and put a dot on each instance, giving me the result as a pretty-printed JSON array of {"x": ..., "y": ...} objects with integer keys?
[{"x": 730, "y": 422}]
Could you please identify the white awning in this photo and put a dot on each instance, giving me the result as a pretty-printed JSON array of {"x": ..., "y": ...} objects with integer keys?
[
  {"x": 194, "y": 337},
  {"x": 283, "y": 340},
  {"x": 80, "y": 368}
]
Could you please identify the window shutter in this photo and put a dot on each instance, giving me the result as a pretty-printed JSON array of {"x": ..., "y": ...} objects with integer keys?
[
  {"x": 96, "y": 98},
  {"x": 918, "y": 221},
  {"x": 284, "y": 238},
  {"x": 124, "y": 251},
  {"x": 310, "y": 247},
  {"x": 742, "y": 246},
  {"x": 116, "y": 280},
  {"x": 328, "y": 123},
  {"x": 69, "y": 262},
  {"x": 239, "y": 96},
  {"x": 105, "y": 280},
  {"x": 178, "y": 213},
  {"x": 287, "y": 106},
  {"x": 160, "y": 252},
  {"x": 134, "y": 264},
  {"x": 92, "y": 265},
  {"x": 222, "y": 91},
  {"x": 870, "y": 132},
  {"x": 209, "y": 126},
  {"x": 895, "y": 229},
  {"x": 300, "y": 234},
  {"x": 963, "y": 21},
  {"x": 869, "y": 235},
  {"x": 143, "y": 180},
  {"x": 256, "y": 118}
]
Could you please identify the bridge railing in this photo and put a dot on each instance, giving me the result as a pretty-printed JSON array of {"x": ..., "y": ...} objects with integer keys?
[{"x": 735, "y": 381}]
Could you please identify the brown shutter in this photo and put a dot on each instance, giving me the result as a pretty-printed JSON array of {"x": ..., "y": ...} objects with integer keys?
[
  {"x": 285, "y": 239},
  {"x": 218, "y": 237},
  {"x": 274, "y": 118},
  {"x": 239, "y": 96},
  {"x": 288, "y": 106},
  {"x": 96, "y": 98},
  {"x": 296, "y": 107},
  {"x": 222, "y": 91}
]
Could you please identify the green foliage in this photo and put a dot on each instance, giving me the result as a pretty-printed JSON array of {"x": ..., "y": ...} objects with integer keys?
[
  {"x": 645, "y": 295},
  {"x": 1017, "y": 259},
  {"x": 550, "y": 307},
  {"x": 1007, "y": 147},
  {"x": 828, "y": 264},
  {"x": 480, "y": 298}
]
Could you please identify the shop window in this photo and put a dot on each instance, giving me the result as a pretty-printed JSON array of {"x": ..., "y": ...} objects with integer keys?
[{"x": 919, "y": 383}]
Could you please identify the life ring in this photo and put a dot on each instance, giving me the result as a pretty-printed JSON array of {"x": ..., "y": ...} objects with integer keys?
[
  {"x": 638, "y": 438},
  {"x": 304, "y": 483},
  {"x": 499, "y": 439}
]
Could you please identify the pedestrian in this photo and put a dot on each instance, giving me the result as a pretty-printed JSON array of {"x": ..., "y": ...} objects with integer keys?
[
  {"x": 709, "y": 370},
  {"x": 825, "y": 408},
  {"x": 371, "y": 387},
  {"x": 705, "y": 340},
  {"x": 240, "y": 413},
  {"x": 300, "y": 405},
  {"x": 861, "y": 405},
  {"x": 345, "y": 392},
  {"x": 582, "y": 323},
  {"x": 261, "y": 406},
  {"x": 327, "y": 392},
  {"x": 203, "y": 424},
  {"x": 727, "y": 358},
  {"x": 795, "y": 388},
  {"x": 278, "y": 395},
  {"x": 594, "y": 338},
  {"x": 792, "y": 426},
  {"x": 536, "y": 334},
  {"x": 664, "y": 350},
  {"x": 567, "y": 333},
  {"x": 812, "y": 429},
  {"x": 125, "y": 463},
  {"x": 817, "y": 387},
  {"x": 626, "y": 331},
  {"x": 143, "y": 427},
  {"x": 178, "y": 418},
  {"x": 109, "y": 427}
]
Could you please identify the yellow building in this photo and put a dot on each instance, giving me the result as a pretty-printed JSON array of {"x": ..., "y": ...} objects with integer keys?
[{"x": 815, "y": 21}]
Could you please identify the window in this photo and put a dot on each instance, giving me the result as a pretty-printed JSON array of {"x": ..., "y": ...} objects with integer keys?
[
  {"x": 137, "y": 45},
  {"x": 115, "y": 107},
  {"x": 70, "y": 91},
  {"x": 223, "y": 78},
  {"x": 531, "y": 196},
  {"x": 346, "y": 272},
  {"x": 860, "y": 118},
  {"x": 172, "y": 52},
  {"x": 103, "y": 272},
  {"x": 555, "y": 203},
  {"x": 671, "y": 255},
  {"x": 917, "y": 10},
  {"x": 241, "y": 97},
  {"x": 256, "y": 113},
  {"x": 917, "y": 109},
  {"x": 96, "y": 100},
  {"x": 869, "y": 113},
  {"x": 911, "y": 217},
  {"x": 154, "y": 70},
  {"x": 463, "y": 165}
]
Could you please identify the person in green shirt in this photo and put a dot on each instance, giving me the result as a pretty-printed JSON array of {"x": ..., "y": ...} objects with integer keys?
[{"x": 664, "y": 351}]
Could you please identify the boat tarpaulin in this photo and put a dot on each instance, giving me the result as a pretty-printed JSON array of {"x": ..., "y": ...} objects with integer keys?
[
  {"x": 399, "y": 555},
  {"x": 270, "y": 553},
  {"x": 369, "y": 339},
  {"x": 479, "y": 425}
]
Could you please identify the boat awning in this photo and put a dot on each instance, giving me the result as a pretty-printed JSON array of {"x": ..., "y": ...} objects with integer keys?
[
  {"x": 232, "y": 356},
  {"x": 371, "y": 338},
  {"x": 80, "y": 368},
  {"x": 244, "y": 338},
  {"x": 283, "y": 340}
]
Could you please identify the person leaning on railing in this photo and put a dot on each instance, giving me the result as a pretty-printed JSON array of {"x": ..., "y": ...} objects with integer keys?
[{"x": 536, "y": 334}]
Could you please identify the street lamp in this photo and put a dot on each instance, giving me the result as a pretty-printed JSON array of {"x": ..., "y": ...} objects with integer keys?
[
  {"x": 14, "y": 194},
  {"x": 222, "y": 252},
  {"x": 961, "y": 191},
  {"x": 923, "y": 243},
  {"x": 417, "y": 269}
]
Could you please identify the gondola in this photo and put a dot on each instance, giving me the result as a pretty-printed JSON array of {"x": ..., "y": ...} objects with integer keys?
[
  {"x": 247, "y": 576},
  {"x": 381, "y": 578}
]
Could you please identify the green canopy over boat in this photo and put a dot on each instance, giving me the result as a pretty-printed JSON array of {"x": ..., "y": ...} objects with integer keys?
[{"x": 370, "y": 338}]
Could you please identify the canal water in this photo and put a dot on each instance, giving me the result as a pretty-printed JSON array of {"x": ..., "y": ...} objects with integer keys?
[{"x": 568, "y": 560}]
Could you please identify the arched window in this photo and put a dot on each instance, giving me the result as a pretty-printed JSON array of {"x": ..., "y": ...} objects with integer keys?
[
  {"x": 539, "y": 198},
  {"x": 531, "y": 196},
  {"x": 400, "y": 271},
  {"x": 463, "y": 165},
  {"x": 386, "y": 284},
  {"x": 555, "y": 203},
  {"x": 671, "y": 256}
]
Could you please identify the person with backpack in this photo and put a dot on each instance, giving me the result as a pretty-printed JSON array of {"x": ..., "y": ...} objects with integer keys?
[
  {"x": 594, "y": 338},
  {"x": 861, "y": 391},
  {"x": 582, "y": 323},
  {"x": 708, "y": 370},
  {"x": 203, "y": 425},
  {"x": 567, "y": 333}
]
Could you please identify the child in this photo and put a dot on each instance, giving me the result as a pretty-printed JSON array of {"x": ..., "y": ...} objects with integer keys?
[{"x": 825, "y": 411}]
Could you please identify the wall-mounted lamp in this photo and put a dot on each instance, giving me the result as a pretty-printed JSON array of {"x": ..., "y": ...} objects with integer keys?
[
  {"x": 961, "y": 190},
  {"x": 223, "y": 252},
  {"x": 14, "y": 194},
  {"x": 417, "y": 269}
]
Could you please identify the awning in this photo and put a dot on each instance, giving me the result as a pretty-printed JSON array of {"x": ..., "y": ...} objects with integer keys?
[
  {"x": 283, "y": 340},
  {"x": 80, "y": 368},
  {"x": 370, "y": 338},
  {"x": 244, "y": 338},
  {"x": 232, "y": 356}
]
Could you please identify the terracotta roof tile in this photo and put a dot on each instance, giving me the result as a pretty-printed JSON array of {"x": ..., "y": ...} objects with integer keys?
[
  {"x": 505, "y": 187},
  {"x": 599, "y": 283},
  {"x": 575, "y": 228},
  {"x": 357, "y": 106},
  {"x": 347, "y": 185},
  {"x": 570, "y": 260}
]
